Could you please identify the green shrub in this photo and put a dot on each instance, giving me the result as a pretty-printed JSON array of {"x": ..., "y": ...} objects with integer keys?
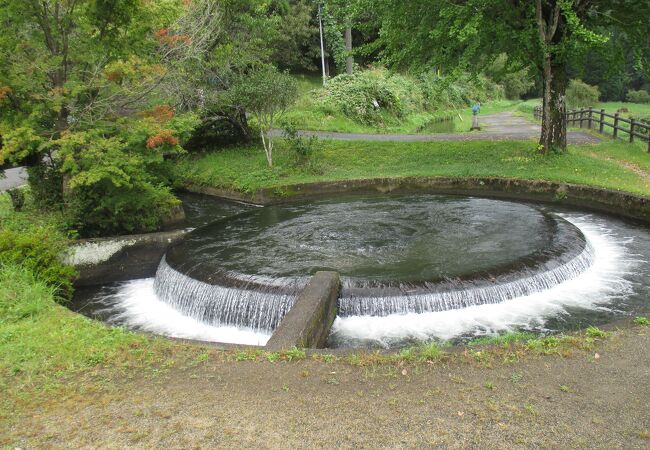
[
  {"x": 116, "y": 182},
  {"x": 639, "y": 96},
  {"x": 219, "y": 129},
  {"x": 37, "y": 250},
  {"x": 17, "y": 198},
  {"x": 581, "y": 95},
  {"x": 643, "y": 118},
  {"x": 452, "y": 93},
  {"x": 104, "y": 209},
  {"x": 376, "y": 96},
  {"x": 45, "y": 183},
  {"x": 301, "y": 147},
  {"x": 369, "y": 96}
]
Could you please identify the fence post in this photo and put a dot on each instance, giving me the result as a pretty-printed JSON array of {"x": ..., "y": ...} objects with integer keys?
[
  {"x": 632, "y": 123},
  {"x": 615, "y": 124},
  {"x": 589, "y": 117},
  {"x": 602, "y": 120},
  {"x": 582, "y": 115}
]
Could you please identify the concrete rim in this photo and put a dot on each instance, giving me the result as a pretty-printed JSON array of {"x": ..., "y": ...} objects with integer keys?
[{"x": 608, "y": 201}]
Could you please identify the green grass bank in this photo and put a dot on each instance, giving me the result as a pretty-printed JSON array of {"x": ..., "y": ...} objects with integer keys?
[{"x": 611, "y": 164}]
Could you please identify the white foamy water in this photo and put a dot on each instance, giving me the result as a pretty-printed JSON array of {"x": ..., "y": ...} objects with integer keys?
[
  {"x": 594, "y": 288},
  {"x": 136, "y": 305}
]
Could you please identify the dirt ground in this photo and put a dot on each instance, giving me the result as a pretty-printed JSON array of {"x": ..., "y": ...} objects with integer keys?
[{"x": 595, "y": 399}]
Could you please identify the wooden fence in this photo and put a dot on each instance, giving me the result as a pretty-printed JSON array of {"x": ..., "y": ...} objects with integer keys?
[{"x": 596, "y": 119}]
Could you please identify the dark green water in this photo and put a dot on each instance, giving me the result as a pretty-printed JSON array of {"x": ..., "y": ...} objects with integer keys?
[{"x": 403, "y": 239}]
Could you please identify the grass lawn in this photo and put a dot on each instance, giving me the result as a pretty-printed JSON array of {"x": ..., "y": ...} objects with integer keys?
[
  {"x": 308, "y": 114},
  {"x": 615, "y": 165},
  {"x": 634, "y": 109},
  {"x": 42, "y": 343}
]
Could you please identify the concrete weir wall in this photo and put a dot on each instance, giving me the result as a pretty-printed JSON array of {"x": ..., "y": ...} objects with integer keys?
[
  {"x": 121, "y": 258},
  {"x": 308, "y": 323}
]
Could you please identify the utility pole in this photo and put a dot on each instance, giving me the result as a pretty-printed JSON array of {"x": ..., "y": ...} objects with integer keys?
[
  {"x": 322, "y": 45},
  {"x": 349, "y": 61}
]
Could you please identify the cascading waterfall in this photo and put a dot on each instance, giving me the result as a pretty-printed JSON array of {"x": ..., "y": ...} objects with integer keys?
[
  {"x": 220, "y": 305},
  {"x": 413, "y": 268},
  {"x": 432, "y": 299}
]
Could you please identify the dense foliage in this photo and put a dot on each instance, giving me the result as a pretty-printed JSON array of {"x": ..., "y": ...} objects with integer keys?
[
  {"x": 544, "y": 35},
  {"x": 640, "y": 96},
  {"x": 95, "y": 95},
  {"x": 34, "y": 242},
  {"x": 581, "y": 95},
  {"x": 374, "y": 96}
]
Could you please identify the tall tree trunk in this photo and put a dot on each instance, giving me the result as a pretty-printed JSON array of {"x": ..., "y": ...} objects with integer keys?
[
  {"x": 552, "y": 29},
  {"x": 349, "y": 61},
  {"x": 553, "y": 137}
]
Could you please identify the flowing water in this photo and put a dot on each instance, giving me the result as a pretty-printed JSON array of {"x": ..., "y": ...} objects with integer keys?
[{"x": 414, "y": 268}]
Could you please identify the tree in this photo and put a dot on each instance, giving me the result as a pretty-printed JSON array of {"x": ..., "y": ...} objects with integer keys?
[
  {"x": 266, "y": 93},
  {"x": 466, "y": 35},
  {"x": 91, "y": 94}
]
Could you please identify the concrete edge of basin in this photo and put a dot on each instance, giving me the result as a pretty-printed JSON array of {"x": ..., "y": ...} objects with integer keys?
[
  {"x": 619, "y": 203},
  {"x": 121, "y": 258}
]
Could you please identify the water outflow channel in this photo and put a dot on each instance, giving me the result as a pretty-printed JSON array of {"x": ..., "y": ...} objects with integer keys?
[{"x": 413, "y": 268}]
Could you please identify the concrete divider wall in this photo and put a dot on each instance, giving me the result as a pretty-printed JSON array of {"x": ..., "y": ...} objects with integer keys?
[
  {"x": 308, "y": 322},
  {"x": 106, "y": 260}
]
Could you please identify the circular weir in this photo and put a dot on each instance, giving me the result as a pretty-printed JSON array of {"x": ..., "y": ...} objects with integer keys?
[
  {"x": 414, "y": 269},
  {"x": 396, "y": 255}
]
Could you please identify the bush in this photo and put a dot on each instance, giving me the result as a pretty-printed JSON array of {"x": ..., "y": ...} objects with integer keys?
[
  {"x": 38, "y": 250},
  {"x": 639, "y": 96},
  {"x": 643, "y": 118},
  {"x": 17, "y": 197},
  {"x": 368, "y": 96},
  {"x": 452, "y": 93},
  {"x": 373, "y": 97},
  {"x": 116, "y": 184},
  {"x": 581, "y": 95},
  {"x": 219, "y": 129},
  {"x": 302, "y": 147},
  {"x": 45, "y": 183}
]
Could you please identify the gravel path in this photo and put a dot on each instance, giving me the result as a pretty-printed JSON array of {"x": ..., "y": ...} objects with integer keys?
[
  {"x": 495, "y": 127},
  {"x": 581, "y": 400}
]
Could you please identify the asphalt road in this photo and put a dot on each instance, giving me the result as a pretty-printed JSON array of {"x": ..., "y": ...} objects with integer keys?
[
  {"x": 495, "y": 127},
  {"x": 13, "y": 178}
]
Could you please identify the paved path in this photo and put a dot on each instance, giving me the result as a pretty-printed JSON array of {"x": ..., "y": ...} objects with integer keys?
[
  {"x": 13, "y": 178},
  {"x": 496, "y": 127}
]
